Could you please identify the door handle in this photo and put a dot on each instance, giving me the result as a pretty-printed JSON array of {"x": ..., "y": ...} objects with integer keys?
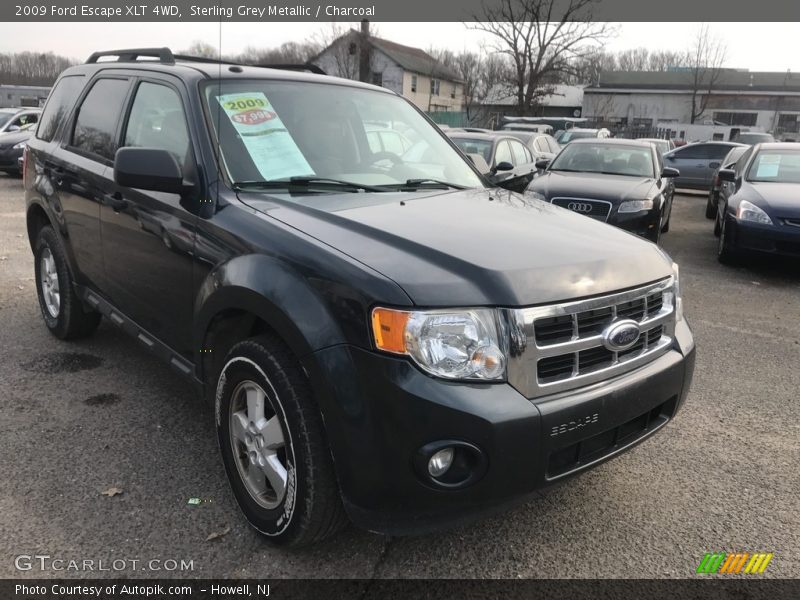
[{"x": 115, "y": 201}]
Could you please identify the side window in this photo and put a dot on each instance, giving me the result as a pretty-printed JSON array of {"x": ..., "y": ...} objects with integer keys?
[
  {"x": 554, "y": 147},
  {"x": 157, "y": 120},
  {"x": 27, "y": 119},
  {"x": 59, "y": 104},
  {"x": 541, "y": 145},
  {"x": 692, "y": 152},
  {"x": 96, "y": 125},
  {"x": 374, "y": 141},
  {"x": 740, "y": 164},
  {"x": 717, "y": 152},
  {"x": 503, "y": 153},
  {"x": 518, "y": 151}
]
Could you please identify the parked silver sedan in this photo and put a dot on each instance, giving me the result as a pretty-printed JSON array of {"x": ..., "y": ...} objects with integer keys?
[{"x": 697, "y": 162}]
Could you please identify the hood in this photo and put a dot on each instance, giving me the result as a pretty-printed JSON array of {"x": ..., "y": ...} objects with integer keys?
[
  {"x": 14, "y": 137},
  {"x": 614, "y": 188},
  {"x": 474, "y": 247},
  {"x": 781, "y": 198}
]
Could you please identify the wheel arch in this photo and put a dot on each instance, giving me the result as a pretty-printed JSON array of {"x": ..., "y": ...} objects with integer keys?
[{"x": 252, "y": 295}]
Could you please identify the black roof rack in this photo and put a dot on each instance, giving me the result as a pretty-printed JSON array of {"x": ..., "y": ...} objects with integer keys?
[
  {"x": 166, "y": 56},
  {"x": 311, "y": 68}
]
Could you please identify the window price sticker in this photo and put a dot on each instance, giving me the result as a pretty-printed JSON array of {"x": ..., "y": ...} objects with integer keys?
[{"x": 268, "y": 142}]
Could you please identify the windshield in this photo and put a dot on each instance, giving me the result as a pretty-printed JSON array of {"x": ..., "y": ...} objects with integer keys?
[
  {"x": 571, "y": 135},
  {"x": 754, "y": 138},
  {"x": 275, "y": 130},
  {"x": 470, "y": 146},
  {"x": 778, "y": 166},
  {"x": 610, "y": 159},
  {"x": 5, "y": 117}
]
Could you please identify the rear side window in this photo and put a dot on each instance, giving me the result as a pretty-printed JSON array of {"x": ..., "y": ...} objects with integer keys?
[
  {"x": 60, "y": 102},
  {"x": 503, "y": 153},
  {"x": 700, "y": 151},
  {"x": 158, "y": 121},
  {"x": 718, "y": 151},
  {"x": 520, "y": 153},
  {"x": 96, "y": 126}
]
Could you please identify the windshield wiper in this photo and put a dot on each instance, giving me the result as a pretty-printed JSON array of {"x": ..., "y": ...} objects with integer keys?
[
  {"x": 304, "y": 181},
  {"x": 418, "y": 183}
]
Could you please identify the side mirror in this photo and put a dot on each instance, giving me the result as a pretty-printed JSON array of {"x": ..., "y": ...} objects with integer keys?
[
  {"x": 727, "y": 175},
  {"x": 669, "y": 156},
  {"x": 148, "y": 169},
  {"x": 503, "y": 166},
  {"x": 12, "y": 128},
  {"x": 670, "y": 172},
  {"x": 542, "y": 163}
]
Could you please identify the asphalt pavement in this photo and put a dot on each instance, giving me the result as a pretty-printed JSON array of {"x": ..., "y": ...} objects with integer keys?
[{"x": 101, "y": 415}]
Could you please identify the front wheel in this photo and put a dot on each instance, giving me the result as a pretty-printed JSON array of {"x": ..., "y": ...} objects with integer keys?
[
  {"x": 726, "y": 252},
  {"x": 62, "y": 311},
  {"x": 273, "y": 445}
]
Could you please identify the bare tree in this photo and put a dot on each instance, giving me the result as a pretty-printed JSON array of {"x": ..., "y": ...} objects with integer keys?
[
  {"x": 203, "y": 49},
  {"x": 32, "y": 68},
  {"x": 663, "y": 60},
  {"x": 633, "y": 59},
  {"x": 542, "y": 39},
  {"x": 706, "y": 57},
  {"x": 588, "y": 69}
]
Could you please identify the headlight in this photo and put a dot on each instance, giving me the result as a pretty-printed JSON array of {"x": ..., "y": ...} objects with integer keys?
[
  {"x": 748, "y": 211},
  {"x": 531, "y": 195},
  {"x": 632, "y": 206},
  {"x": 458, "y": 344},
  {"x": 20, "y": 146},
  {"x": 677, "y": 291}
]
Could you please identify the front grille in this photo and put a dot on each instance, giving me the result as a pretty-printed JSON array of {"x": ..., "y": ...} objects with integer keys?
[
  {"x": 597, "y": 209},
  {"x": 567, "y": 348},
  {"x": 590, "y": 450},
  {"x": 792, "y": 222}
]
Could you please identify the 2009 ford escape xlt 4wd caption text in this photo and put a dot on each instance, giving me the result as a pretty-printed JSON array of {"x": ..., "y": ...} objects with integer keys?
[{"x": 382, "y": 335}]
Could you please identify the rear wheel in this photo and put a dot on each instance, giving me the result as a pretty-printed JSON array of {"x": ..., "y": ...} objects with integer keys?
[
  {"x": 711, "y": 205},
  {"x": 62, "y": 311},
  {"x": 273, "y": 445},
  {"x": 726, "y": 252}
]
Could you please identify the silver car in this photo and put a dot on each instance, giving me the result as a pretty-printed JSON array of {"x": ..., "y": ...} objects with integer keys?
[
  {"x": 14, "y": 119},
  {"x": 697, "y": 162}
]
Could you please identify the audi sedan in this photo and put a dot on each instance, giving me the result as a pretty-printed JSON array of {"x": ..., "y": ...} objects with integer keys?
[
  {"x": 621, "y": 182},
  {"x": 762, "y": 213}
]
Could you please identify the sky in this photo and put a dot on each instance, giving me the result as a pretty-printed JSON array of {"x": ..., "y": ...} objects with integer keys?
[{"x": 749, "y": 45}]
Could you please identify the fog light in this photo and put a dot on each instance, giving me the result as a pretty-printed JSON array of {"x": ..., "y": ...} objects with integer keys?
[{"x": 440, "y": 462}]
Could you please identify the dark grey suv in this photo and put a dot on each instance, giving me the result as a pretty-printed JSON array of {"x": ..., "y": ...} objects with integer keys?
[{"x": 383, "y": 336}]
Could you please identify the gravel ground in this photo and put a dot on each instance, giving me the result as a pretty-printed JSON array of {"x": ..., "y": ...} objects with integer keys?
[{"x": 77, "y": 419}]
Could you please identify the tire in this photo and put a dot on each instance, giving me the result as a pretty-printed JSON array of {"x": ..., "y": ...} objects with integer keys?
[
  {"x": 726, "y": 253},
  {"x": 655, "y": 234},
  {"x": 277, "y": 459},
  {"x": 665, "y": 226},
  {"x": 711, "y": 206},
  {"x": 717, "y": 221},
  {"x": 64, "y": 314}
]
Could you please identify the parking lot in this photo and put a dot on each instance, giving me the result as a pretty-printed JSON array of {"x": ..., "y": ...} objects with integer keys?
[{"x": 77, "y": 419}]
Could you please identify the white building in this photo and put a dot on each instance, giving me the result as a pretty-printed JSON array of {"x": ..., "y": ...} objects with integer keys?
[
  {"x": 765, "y": 101},
  {"x": 409, "y": 71}
]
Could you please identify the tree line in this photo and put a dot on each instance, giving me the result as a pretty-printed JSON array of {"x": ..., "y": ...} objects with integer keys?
[{"x": 32, "y": 68}]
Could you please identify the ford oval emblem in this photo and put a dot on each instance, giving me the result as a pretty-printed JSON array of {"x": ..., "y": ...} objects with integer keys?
[{"x": 621, "y": 335}]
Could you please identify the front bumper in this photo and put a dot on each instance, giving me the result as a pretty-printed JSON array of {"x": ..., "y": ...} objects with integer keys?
[
  {"x": 643, "y": 223},
  {"x": 767, "y": 239},
  {"x": 379, "y": 411}
]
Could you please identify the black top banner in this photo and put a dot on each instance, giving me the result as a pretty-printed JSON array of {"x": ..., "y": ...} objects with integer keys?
[{"x": 388, "y": 10}]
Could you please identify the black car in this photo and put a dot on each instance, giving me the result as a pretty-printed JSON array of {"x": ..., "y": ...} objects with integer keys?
[
  {"x": 386, "y": 339},
  {"x": 501, "y": 158},
  {"x": 762, "y": 212},
  {"x": 621, "y": 182},
  {"x": 12, "y": 146},
  {"x": 717, "y": 185}
]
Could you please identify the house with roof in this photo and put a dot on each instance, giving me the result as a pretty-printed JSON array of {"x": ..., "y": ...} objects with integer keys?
[
  {"x": 738, "y": 98},
  {"x": 409, "y": 71}
]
